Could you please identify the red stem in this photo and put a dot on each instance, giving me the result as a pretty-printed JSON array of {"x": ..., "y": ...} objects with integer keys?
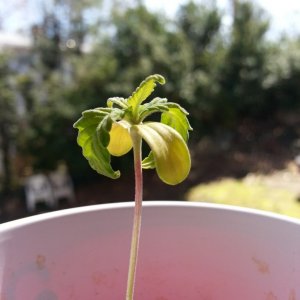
[{"x": 137, "y": 141}]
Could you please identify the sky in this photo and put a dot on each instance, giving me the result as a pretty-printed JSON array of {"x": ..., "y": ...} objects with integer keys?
[
  {"x": 15, "y": 14},
  {"x": 284, "y": 15}
]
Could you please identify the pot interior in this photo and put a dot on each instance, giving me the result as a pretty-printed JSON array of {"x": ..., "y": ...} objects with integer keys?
[{"x": 187, "y": 251}]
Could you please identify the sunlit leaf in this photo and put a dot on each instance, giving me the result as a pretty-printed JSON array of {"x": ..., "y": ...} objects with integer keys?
[
  {"x": 148, "y": 162},
  {"x": 170, "y": 152},
  {"x": 177, "y": 118},
  {"x": 154, "y": 106},
  {"x": 92, "y": 148},
  {"x": 106, "y": 131},
  {"x": 120, "y": 140},
  {"x": 121, "y": 102},
  {"x": 144, "y": 90}
]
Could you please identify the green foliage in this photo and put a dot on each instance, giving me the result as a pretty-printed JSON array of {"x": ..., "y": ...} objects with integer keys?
[
  {"x": 200, "y": 24},
  {"x": 282, "y": 82},
  {"x": 220, "y": 76},
  {"x": 241, "y": 85},
  {"x": 144, "y": 90},
  {"x": 176, "y": 117},
  {"x": 102, "y": 129},
  {"x": 93, "y": 137},
  {"x": 9, "y": 123},
  {"x": 201, "y": 27}
]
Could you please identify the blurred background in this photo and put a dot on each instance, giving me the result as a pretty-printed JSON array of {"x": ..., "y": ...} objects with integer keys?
[{"x": 233, "y": 64}]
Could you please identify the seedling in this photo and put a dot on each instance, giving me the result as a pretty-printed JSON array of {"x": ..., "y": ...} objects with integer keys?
[{"x": 120, "y": 127}]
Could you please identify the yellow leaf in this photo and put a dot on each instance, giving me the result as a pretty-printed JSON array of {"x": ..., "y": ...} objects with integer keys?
[
  {"x": 120, "y": 141},
  {"x": 171, "y": 154}
]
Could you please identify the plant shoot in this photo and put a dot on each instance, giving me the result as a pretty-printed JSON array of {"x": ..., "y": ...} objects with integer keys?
[{"x": 116, "y": 129}]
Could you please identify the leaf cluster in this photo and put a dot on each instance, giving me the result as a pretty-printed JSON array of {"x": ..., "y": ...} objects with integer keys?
[{"x": 99, "y": 128}]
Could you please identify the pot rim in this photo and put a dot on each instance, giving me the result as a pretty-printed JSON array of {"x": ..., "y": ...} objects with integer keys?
[{"x": 152, "y": 204}]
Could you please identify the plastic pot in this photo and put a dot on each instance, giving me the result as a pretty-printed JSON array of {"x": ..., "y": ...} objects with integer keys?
[{"x": 187, "y": 251}]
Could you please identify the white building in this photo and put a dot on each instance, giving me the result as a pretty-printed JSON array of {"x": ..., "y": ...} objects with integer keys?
[{"x": 15, "y": 42}]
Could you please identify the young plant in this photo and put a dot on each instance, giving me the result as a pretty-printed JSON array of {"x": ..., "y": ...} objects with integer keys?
[{"x": 120, "y": 127}]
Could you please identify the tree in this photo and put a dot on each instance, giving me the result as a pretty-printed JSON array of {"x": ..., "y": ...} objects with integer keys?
[
  {"x": 48, "y": 88},
  {"x": 47, "y": 44},
  {"x": 63, "y": 31},
  {"x": 201, "y": 24},
  {"x": 282, "y": 82},
  {"x": 145, "y": 43},
  {"x": 243, "y": 74},
  {"x": 137, "y": 45},
  {"x": 8, "y": 122},
  {"x": 201, "y": 27}
]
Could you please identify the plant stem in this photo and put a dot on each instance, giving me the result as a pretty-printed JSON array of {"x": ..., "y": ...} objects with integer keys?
[{"x": 137, "y": 151}]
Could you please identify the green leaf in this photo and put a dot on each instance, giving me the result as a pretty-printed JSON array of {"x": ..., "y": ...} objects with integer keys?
[
  {"x": 176, "y": 117},
  {"x": 105, "y": 125},
  {"x": 121, "y": 102},
  {"x": 96, "y": 112},
  {"x": 90, "y": 141},
  {"x": 144, "y": 90},
  {"x": 170, "y": 152},
  {"x": 103, "y": 130},
  {"x": 148, "y": 162},
  {"x": 106, "y": 131},
  {"x": 117, "y": 114},
  {"x": 154, "y": 106}
]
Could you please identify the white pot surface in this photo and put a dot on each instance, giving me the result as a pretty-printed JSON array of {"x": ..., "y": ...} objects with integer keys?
[{"x": 188, "y": 251}]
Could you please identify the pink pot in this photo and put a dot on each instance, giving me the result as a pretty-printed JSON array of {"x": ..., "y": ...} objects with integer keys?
[{"x": 187, "y": 251}]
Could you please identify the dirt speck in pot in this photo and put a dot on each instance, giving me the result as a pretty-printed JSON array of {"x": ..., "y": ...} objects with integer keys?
[{"x": 40, "y": 261}]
